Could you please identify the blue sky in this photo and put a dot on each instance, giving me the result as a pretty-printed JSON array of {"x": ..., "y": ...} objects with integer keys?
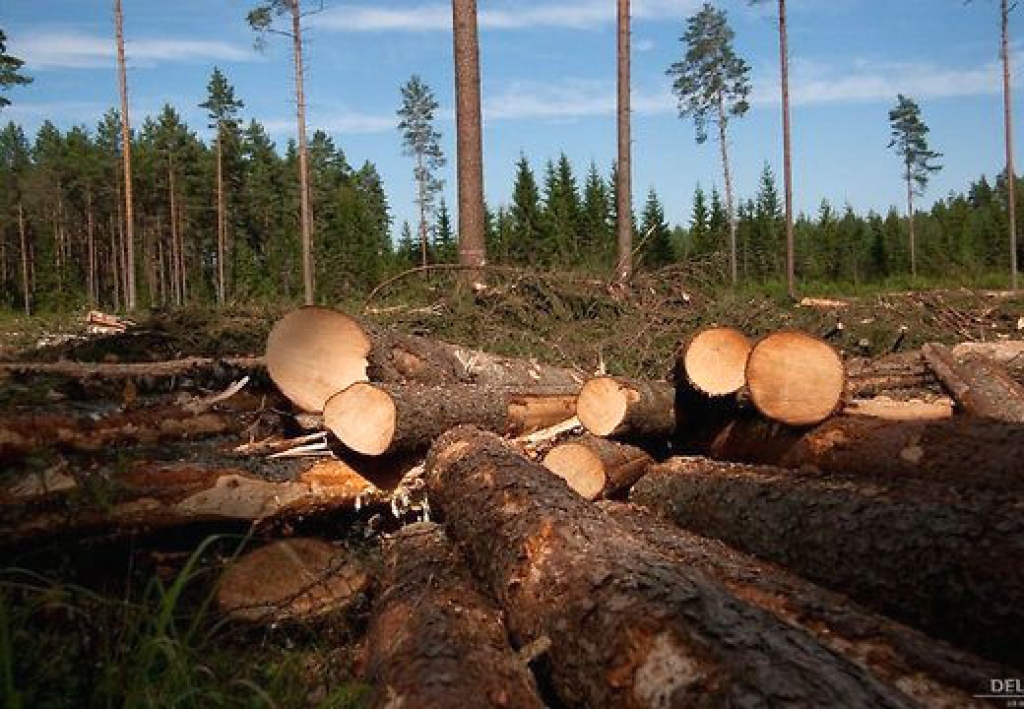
[{"x": 549, "y": 85}]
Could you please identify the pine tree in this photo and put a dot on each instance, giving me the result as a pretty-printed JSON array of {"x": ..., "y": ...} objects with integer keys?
[
  {"x": 10, "y": 71},
  {"x": 131, "y": 295},
  {"x": 909, "y": 139},
  {"x": 420, "y": 140},
  {"x": 712, "y": 85}
]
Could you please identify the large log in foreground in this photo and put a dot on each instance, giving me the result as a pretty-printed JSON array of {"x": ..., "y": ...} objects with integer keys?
[
  {"x": 434, "y": 641},
  {"x": 379, "y": 419},
  {"x": 616, "y": 406},
  {"x": 628, "y": 627},
  {"x": 940, "y": 559},
  {"x": 929, "y": 671},
  {"x": 150, "y": 496},
  {"x": 795, "y": 378},
  {"x": 981, "y": 387},
  {"x": 961, "y": 451}
]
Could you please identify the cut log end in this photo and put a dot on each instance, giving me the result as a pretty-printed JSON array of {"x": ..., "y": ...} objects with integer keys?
[
  {"x": 363, "y": 417},
  {"x": 715, "y": 360},
  {"x": 580, "y": 467},
  {"x": 795, "y": 378},
  {"x": 313, "y": 353},
  {"x": 602, "y": 405}
]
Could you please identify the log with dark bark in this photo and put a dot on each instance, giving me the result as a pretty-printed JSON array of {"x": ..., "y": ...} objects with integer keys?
[
  {"x": 378, "y": 419},
  {"x": 962, "y": 451},
  {"x": 616, "y": 406},
  {"x": 61, "y": 502},
  {"x": 795, "y": 378},
  {"x": 713, "y": 361},
  {"x": 628, "y": 627},
  {"x": 929, "y": 671},
  {"x": 434, "y": 641},
  {"x": 939, "y": 558},
  {"x": 133, "y": 370},
  {"x": 981, "y": 388},
  {"x": 596, "y": 467}
]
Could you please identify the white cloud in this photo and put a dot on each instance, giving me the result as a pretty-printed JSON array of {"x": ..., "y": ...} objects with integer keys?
[
  {"x": 570, "y": 99},
  {"x": 336, "y": 121},
  {"x": 48, "y": 50},
  {"x": 432, "y": 17}
]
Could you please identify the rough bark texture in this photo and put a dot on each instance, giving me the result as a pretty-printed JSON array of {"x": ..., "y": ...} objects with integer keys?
[
  {"x": 959, "y": 451},
  {"x": 434, "y": 641},
  {"x": 927, "y": 670},
  {"x": 305, "y": 211},
  {"x": 596, "y": 467},
  {"x": 1011, "y": 182},
  {"x": 126, "y": 155},
  {"x": 982, "y": 388},
  {"x": 899, "y": 376},
  {"x": 617, "y": 406},
  {"x": 624, "y": 169},
  {"x": 131, "y": 370},
  {"x": 628, "y": 627},
  {"x": 61, "y": 502},
  {"x": 939, "y": 558}
]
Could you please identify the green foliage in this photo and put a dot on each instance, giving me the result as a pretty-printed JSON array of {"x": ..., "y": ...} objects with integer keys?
[
  {"x": 421, "y": 141},
  {"x": 10, "y": 71},
  {"x": 445, "y": 245},
  {"x": 656, "y": 237},
  {"x": 910, "y": 141}
]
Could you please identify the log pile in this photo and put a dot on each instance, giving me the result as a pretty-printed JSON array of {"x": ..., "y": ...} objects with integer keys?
[{"x": 802, "y": 529}]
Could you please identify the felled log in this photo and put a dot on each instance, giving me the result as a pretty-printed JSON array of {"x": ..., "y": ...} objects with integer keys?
[
  {"x": 616, "y": 406},
  {"x": 291, "y": 581},
  {"x": 795, "y": 378},
  {"x": 375, "y": 419},
  {"x": 150, "y": 496},
  {"x": 313, "y": 353},
  {"x": 596, "y": 467},
  {"x": 961, "y": 451},
  {"x": 713, "y": 361},
  {"x": 131, "y": 370},
  {"x": 884, "y": 407},
  {"x": 434, "y": 641},
  {"x": 934, "y": 557},
  {"x": 1005, "y": 352},
  {"x": 981, "y": 388},
  {"x": 628, "y": 627},
  {"x": 929, "y": 671}
]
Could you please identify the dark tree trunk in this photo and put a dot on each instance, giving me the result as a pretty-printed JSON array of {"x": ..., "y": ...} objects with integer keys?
[
  {"x": 936, "y": 557},
  {"x": 306, "y": 213},
  {"x": 624, "y": 169},
  {"x": 126, "y": 152},
  {"x": 628, "y": 627},
  {"x": 26, "y": 287},
  {"x": 434, "y": 641},
  {"x": 1011, "y": 179},
  {"x": 787, "y": 152}
]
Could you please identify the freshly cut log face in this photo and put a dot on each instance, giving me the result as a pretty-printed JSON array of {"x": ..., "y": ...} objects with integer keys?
[
  {"x": 434, "y": 640},
  {"x": 795, "y": 378},
  {"x": 291, "y": 580},
  {"x": 314, "y": 352},
  {"x": 596, "y": 467},
  {"x": 610, "y": 406},
  {"x": 374, "y": 419},
  {"x": 714, "y": 361}
]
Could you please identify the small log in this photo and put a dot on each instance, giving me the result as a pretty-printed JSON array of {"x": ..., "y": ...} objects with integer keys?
[
  {"x": 795, "y": 378},
  {"x": 937, "y": 558},
  {"x": 131, "y": 370},
  {"x": 381, "y": 419},
  {"x": 1006, "y": 352},
  {"x": 434, "y": 641},
  {"x": 713, "y": 362},
  {"x": 960, "y": 451},
  {"x": 596, "y": 467},
  {"x": 160, "y": 495},
  {"x": 628, "y": 627},
  {"x": 883, "y": 407},
  {"x": 615, "y": 406},
  {"x": 929, "y": 671},
  {"x": 291, "y": 581},
  {"x": 982, "y": 388}
]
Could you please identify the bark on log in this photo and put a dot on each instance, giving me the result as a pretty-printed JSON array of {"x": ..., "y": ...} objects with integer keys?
[
  {"x": 434, "y": 641},
  {"x": 1009, "y": 353},
  {"x": 884, "y": 407},
  {"x": 596, "y": 467},
  {"x": 132, "y": 370},
  {"x": 929, "y": 671},
  {"x": 615, "y": 406},
  {"x": 795, "y": 378},
  {"x": 940, "y": 559},
  {"x": 960, "y": 451},
  {"x": 713, "y": 362},
  {"x": 158, "y": 495},
  {"x": 982, "y": 388},
  {"x": 628, "y": 626},
  {"x": 388, "y": 418}
]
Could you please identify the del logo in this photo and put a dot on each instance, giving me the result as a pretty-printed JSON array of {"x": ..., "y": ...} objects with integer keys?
[{"x": 1006, "y": 686}]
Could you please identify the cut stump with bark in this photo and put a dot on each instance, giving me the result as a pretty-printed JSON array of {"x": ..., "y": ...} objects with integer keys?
[
  {"x": 291, "y": 581},
  {"x": 434, "y": 640},
  {"x": 627, "y": 625},
  {"x": 616, "y": 406},
  {"x": 795, "y": 378},
  {"x": 596, "y": 467},
  {"x": 713, "y": 362},
  {"x": 934, "y": 557}
]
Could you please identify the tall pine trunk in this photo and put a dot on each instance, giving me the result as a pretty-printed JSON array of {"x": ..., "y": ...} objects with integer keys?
[
  {"x": 624, "y": 171},
  {"x": 787, "y": 168},
  {"x": 126, "y": 153},
  {"x": 115, "y": 269},
  {"x": 469, "y": 140},
  {"x": 175, "y": 247},
  {"x": 26, "y": 288},
  {"x": 1011, "y": 180},
  {"x": 306, "y": 215},
  {"x": 422, "y": 187},
  {"x": 910, "y": 220},
  {"x": 221, "y": 220},
  {"x": 90, "y": 233},
  {"x": 727, "y": 176}
]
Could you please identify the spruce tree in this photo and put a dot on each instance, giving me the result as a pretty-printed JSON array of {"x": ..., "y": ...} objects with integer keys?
[
  {"x": 529, "y": 232},
  {"x": 656, "y": 235},
  {"x": 700, "y": 242},
  {"x": 596, "y": 224},
  {"x": 444, "y": 237}
]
